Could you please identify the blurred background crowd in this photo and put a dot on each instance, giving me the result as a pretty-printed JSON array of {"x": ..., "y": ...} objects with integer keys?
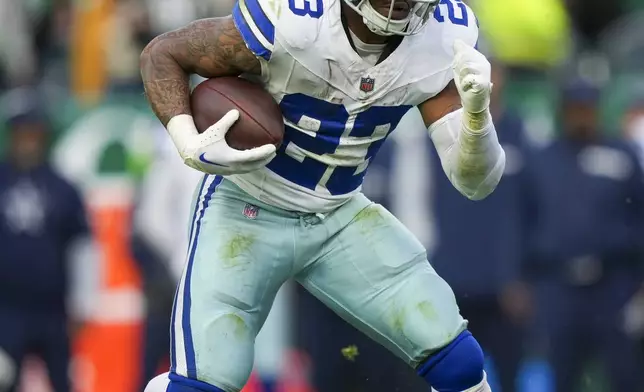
[{"x": 549, "y": 270}]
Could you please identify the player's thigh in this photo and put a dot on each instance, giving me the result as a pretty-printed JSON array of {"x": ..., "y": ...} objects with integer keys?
[
  {"x": 233, "y": 271},
  {"x": 375, "y": 274}
]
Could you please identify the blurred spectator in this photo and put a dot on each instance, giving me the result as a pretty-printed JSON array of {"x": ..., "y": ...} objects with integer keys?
[
  {"x": 159, "y": 241},
  {"x": 633, "y": 129},
  {"x": 18, "y": 54},
  {"x": 42, "y": 227},
  {"x": 591, "y": 17},
  {"x": 33, "y": 33},
  {"x": 166, "y": 15},
  {"x": 586, "y": 201},
  {"x": 130, "y": 32},
  {"x": 480, "y": 248},
  {"x": 633, "y": 123}
]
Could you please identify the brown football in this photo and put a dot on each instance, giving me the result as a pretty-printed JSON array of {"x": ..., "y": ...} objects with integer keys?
[{"x": 260, "y": 118}]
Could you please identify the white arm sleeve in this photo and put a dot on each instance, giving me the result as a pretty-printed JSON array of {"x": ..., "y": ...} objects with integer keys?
[{"x": 471, "y": 155}]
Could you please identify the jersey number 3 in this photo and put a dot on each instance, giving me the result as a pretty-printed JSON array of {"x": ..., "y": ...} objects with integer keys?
[
  {"x": 312, "y": 8},
  {"x": 325, "y": 127}
]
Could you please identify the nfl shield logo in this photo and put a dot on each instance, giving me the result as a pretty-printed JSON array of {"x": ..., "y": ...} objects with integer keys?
[
  {"x": 250, "y": 211},
  {"x": 366, "y": 84}
]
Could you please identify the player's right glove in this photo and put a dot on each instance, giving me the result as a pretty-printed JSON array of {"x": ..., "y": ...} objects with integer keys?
[{"x": 210, "y": 153}]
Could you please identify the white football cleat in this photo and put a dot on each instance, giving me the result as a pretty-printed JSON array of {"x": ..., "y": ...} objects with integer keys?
[{"x": 158, "y": 384}]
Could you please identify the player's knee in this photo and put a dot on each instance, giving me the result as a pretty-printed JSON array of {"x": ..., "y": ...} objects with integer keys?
[
  {"x": 456, "y": 367},
  {"x": 170, "y": 382}
]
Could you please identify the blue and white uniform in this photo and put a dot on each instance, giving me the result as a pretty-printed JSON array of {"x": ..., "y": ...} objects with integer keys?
[
  {"x": 303, "y": 217},
  {"x": 338, "y": 106}
]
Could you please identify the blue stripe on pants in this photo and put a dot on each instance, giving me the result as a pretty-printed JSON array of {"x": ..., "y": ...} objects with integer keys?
[
  {"x": 190, "y": 350},
  {"x": 173, "y": 348}
]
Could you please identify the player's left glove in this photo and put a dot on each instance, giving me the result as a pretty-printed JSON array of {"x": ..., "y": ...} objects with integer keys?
[{"x": 472, "y": 76}]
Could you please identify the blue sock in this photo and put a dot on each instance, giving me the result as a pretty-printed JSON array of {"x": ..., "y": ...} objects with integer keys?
[
  {"x": 269, "y": 385},
  {"x": 183, "y": 384},
  {"x": 456, "y": 367}
]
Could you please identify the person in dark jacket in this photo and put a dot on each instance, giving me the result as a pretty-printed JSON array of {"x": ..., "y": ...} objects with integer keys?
[
  {"x": 586, "y": 204},
  {"x": 633, "y": 131},
  {"x": 41, "y": 217}
]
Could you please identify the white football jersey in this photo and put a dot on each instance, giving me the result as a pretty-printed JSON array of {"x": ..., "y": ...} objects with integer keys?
[{"x": 338, "y": 107}]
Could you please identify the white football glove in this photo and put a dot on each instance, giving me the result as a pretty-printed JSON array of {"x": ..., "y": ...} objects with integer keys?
[
  {"x": 210, "y": 153},
  {"x": 472, "y": 75}
]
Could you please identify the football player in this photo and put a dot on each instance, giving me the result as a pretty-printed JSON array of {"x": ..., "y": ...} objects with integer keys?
[{"x": 344, "y": 73}]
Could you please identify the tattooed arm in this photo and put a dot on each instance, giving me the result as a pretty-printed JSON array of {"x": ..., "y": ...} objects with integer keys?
[{"x": 208, "y": 47}]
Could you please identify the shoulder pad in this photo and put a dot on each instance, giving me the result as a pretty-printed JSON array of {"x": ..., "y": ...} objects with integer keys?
[
  {"x": 255, "y": 20},
  {"x": 296, "y": 22}
]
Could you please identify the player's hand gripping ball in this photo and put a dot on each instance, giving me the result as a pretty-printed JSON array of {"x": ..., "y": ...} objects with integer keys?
[
  {"x": 472, "y": 75},
  {"x": 210, "y": 153},
  {"x": 239, "y": 127}
]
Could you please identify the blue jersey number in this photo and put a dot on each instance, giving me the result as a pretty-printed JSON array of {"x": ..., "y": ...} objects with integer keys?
[
  {"x": 329, "y": 122},
  {"x": 462, "y": 20},
  {"x": 312, "y": 8}
]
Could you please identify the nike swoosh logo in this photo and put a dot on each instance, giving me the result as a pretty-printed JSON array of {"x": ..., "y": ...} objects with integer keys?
[{"x": 204, "y": 160}]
